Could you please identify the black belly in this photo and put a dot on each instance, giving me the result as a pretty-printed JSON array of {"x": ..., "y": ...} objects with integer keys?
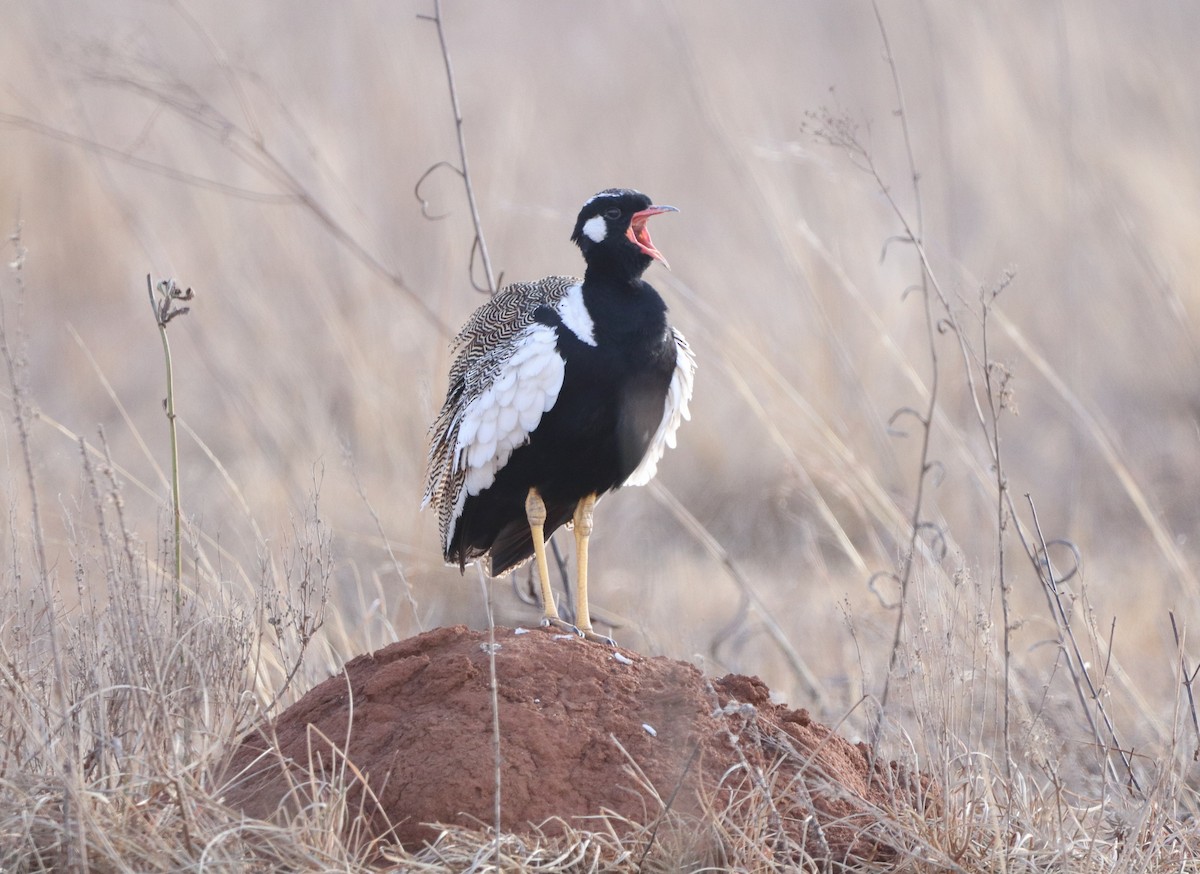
[{"x": 597, "y": 433}]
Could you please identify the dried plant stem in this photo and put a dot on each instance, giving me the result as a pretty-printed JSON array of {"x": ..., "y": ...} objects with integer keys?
[
  {"x": 480, "y": 245},
  {"x": 176, "y": 511},
  {"x": 494, "y": 690},
  {"x": 164, "y": 311},
  {"x": 169, "y": 405},
  {"x": 1076, "y": 664},
  {"x": 21, "y": 415},
  {"x": 914, "y": 234},
  {"x": 843, "y": 135},
  {"x": 75, "y": 844},
  {"x": 1188, "y": 677},
  {"x": 995, "y": 399},
  {"x": 464, "y": 169}
]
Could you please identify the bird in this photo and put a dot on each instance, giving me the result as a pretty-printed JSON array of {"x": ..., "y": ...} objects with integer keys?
[{"x": 560, "y": 391}]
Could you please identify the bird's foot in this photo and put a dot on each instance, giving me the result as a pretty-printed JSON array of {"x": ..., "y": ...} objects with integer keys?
[
  {"x": 554, "y": 622},
  {"x": 597, "y": 638}
]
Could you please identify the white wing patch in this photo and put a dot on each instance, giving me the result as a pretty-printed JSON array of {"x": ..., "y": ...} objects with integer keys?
[
  {"x": 501, "y": 418},
  {"x": 574, "y": 314},
  {"x": 675, "y": 410}
]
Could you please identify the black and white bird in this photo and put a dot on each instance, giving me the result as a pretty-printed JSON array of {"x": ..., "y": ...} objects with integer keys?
[{"x": 561, "y": 390}]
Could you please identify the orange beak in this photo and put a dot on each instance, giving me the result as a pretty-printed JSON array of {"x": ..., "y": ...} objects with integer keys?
[{"x": 640, "y": 237}]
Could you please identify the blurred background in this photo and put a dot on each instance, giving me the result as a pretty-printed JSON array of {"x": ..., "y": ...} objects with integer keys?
[{"x": 266, "y": 155}]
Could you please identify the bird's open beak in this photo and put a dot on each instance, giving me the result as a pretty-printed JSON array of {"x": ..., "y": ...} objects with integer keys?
[{"x": 640, "y": 237}]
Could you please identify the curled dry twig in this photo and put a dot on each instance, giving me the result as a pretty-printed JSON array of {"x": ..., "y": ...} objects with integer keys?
[
  {"x": 840, "y": 132},
  {"x": 463, "y": 169},
  {"x": 479, "y": 245},
  {"x": 422, "y": 199},
  {"x": 844, "y": 134},
  {"x": 1076, "y": 663}
]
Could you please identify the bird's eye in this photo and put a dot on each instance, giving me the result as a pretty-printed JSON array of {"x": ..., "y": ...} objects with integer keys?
[{"x": 613, "y": 213}]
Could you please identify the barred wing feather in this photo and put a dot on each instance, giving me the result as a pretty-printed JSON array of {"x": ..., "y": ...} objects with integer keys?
[{"x": 507, "y": 372}]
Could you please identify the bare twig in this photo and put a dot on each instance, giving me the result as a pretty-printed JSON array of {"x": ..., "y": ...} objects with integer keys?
[
  {"x": 21, "y": 409},
  {"x": 480, "y": 245},
  {"x": 996, "y": 397},
  {"x": 914, "y": 233},
  {"x": 76, "y": 847},
  {"x": 1080, "y": 676},
  {"x": 165, "y": 309},
  {"x": 1189, "y": 677},
  {"x": 494, "y": 692},
  {"x": 463, "y": 169},
  {"x": 307, "y": 570},
  {"x": 841, "y": 132}
]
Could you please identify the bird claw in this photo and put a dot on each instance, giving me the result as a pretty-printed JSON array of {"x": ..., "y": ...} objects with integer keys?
[
  {"x": 598, "y": 638},
  {"x": 560, "y": 625},
  {"x": 588, "y": 634}
]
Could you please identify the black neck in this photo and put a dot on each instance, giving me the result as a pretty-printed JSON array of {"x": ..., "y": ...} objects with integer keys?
[{"x": 621, "y": 266}]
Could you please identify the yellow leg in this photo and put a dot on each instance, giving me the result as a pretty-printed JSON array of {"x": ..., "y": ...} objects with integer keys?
[
  {"x": 535, "y": 512},
  {"x": 583, "y": 530}
]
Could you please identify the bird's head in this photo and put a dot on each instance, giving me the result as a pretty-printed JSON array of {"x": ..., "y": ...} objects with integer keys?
[{"x": 611, "y": 232}]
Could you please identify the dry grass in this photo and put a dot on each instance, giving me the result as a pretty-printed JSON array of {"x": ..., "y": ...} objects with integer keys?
[{"x": 267, "y": 162}]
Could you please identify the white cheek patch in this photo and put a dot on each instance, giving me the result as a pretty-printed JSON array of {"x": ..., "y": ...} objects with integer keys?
[
  {"x": 574, "y": 314},
  {"x": 595, "y": 229},
  {"x": 502, "y": 417}
]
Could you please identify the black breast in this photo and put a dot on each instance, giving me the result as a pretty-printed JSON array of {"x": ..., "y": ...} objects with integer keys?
[{"x": 610, "y": 406}]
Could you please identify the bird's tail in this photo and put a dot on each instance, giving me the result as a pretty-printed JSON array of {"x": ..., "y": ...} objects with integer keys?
[{"x": 514, "y": 542}]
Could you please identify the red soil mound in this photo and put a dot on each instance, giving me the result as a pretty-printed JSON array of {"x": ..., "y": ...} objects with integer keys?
[{"x": 578, "y": 722}]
